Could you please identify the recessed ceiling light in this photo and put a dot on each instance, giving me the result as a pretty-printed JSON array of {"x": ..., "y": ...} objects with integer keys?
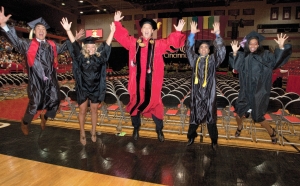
[
  {"x": 81, "y": 1},
  {"x": 81, "y": 12},
  {"x": 98, "y": 10},
  {"x": 63, "y": 4},
  {"x": 104, "y": 9}
]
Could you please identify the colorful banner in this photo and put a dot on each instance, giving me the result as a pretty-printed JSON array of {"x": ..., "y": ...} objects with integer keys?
[{"x": 205, "y": 25}]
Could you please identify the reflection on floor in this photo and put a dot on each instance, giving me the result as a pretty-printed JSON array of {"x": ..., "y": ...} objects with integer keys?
[{"x": 168, "y": 163}]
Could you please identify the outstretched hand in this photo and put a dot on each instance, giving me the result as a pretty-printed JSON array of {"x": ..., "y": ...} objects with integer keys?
[
  {"x": 235, "y": 46},
  {"x": 194, "y": 29},
  {"x": 180, "y": 25},
  {"x": 79, "y": 34},
  {"x": 112, "y": 27},
  {"x": 65, "y": 23},
  {"x": 281, "y": 39},
  {"x": 216, "y": 30},
  {"x": 3, "y": 18},
  {"x": 118, "y": 16}
]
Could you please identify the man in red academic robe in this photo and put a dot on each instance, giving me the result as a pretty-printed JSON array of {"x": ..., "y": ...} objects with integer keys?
[
  {"x": 43, "y": 88},
  {"x": 146, "y": 70}
]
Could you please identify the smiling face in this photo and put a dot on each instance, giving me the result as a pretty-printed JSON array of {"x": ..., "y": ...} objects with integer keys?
[
  {"x": 253, "y": 45},
  {"x": 204, "y": 49},
  {"x": 147, "y": 31},
  {"x": 40, "y": 32},
  {"x": 91, "y": 48}
]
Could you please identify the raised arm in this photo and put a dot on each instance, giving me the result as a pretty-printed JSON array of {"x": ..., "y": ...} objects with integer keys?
[
  {"x": 67, "y": 26},
  {"x": 121, "y": 33},
  {"x": 235, "y": 47},
  {"x": 280, "y": 40},
  {"x": 174, "y": 40},
  {"x": 190, "y": 49},
  {"x": 79, "y": 34},
  {"x": 216, "y": 29},
  {"x": 111, "y": 34},
  {"x": 180, "y": 25},
  {"x": 219, "y": 47},
  {"x": 3, "y": 18},
  {"x": 283, "y": 53},
  {"x": 21, "y": 45},
  {"x": 236, "y": 59}
]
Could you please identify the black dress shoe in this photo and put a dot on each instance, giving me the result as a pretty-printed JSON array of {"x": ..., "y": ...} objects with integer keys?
[
  {"x": 214, "y": 146},
  {"x": 190, "y": 142},
  {"x": 192, "y": 138},
  {"x": 135, "y": 134},
  {"x": 160, "y": 135}
]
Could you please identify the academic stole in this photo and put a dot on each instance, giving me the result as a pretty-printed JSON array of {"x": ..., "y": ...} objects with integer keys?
[
  {"x": 205, "y": 72},
  {"x": 149, "y": 70}
]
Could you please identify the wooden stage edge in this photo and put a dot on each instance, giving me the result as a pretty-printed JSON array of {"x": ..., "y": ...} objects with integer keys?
[
  {"x": 234, "y": 143},
  {"x": 18, "y": 171}
]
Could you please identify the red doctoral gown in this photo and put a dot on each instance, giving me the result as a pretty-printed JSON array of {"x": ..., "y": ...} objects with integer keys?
[{"x": 155, "y": 106}]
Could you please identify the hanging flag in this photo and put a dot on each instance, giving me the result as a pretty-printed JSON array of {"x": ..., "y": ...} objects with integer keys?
[
  {"x": 211, "y": 21},
  {"x": 200, "y": 27},
  {"x": 165, "y": 26}
]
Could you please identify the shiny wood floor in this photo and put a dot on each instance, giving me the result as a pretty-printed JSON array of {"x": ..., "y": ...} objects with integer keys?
[
  {"x": 18, "y": 171},
  {"x": 56, "y": 157}
]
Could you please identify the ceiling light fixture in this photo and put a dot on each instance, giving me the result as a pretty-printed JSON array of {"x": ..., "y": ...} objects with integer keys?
[
  {"x": 81, "y": 1},
  {"x": 98, "y": 10},
  {"x": 63, "y": 4},
  {"x": 104, "y": 10},
  {"x": 81, "y": 12}
]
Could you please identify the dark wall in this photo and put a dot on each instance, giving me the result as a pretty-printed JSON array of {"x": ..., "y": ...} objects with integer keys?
[
  {"x": 118, "y": 58},
  {"x": 29, "y": 10}
]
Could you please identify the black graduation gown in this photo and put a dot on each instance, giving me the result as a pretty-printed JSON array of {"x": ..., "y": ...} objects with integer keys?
[
  {"x": 203, "y": 99},
  {"x": 90, "y": 73},
  {"x": 42, "y": 94},
  {"x": 255, "y": 76}
]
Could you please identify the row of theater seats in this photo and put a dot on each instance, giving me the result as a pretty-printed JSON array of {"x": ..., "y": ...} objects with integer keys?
[
  {"x": 293, "y": 67},
  {"x": 117, "y": 97},
  {"x": 13, "y": 67},
  {"x": 176, "y": 100},
  {"x": 13, "y": 85}
]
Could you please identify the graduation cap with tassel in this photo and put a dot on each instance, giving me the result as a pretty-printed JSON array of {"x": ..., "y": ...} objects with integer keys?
[{"x": 34, "y": 23}]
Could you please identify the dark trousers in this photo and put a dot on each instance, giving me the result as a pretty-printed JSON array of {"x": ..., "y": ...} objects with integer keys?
[
  {"x": 136, "y": 121},
  {"x": 212, "y": 131}
]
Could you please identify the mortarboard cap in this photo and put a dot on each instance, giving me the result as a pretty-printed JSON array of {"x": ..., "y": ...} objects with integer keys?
[
  {"x": 149, "y": 21},
  {"x": 200, "y": 42},
  {"x": 39, "y": 21},
  {"x": 89, "y": 40},
  {"x": 254, "y": 34}
]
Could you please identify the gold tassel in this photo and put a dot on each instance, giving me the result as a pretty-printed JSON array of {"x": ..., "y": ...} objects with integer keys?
[
  {"x": 196, "y": 71},
  {"x": 205, "y": 74},
  {"x": 139, "y": 41},
  {"x": 31, "y": 34},
  {"x": 158, "y": 25}
]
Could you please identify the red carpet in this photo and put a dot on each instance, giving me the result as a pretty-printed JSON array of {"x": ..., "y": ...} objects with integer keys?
[{"x": 14, "y": 109}]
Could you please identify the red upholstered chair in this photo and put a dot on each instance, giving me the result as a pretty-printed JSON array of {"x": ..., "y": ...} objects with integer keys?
[
  {"x": 223, "y": 113},
  {"x": 111, "y": 108},
  {"x": 172, "y": 114}
]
